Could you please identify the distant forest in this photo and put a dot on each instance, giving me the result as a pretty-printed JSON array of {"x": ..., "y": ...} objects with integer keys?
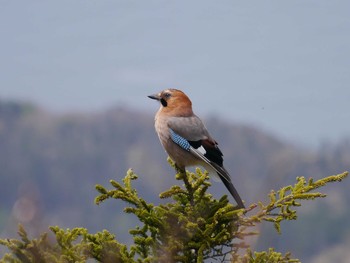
[{"x": 50, "y": 163}]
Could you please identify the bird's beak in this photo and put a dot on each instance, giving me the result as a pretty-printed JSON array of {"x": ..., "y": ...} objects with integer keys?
[{"x": 154, "y": 97}]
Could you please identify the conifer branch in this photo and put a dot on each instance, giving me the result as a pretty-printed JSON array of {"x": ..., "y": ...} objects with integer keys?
[{"x": 192, "y": 227}]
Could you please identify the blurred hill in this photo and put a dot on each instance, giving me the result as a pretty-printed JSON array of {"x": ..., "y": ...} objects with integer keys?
[{"x": 50, "y": 163}]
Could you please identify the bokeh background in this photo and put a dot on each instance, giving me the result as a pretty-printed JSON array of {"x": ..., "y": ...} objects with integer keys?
[{"x": 270, "y": 78}]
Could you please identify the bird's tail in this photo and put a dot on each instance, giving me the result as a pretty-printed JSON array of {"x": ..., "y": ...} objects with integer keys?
[
  {"x": 226, "y": 179},
  {"x": 223, "y": 175}
]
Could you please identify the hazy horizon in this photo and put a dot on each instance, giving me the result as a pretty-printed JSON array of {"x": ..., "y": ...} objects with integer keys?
[{"x": 282, "y": 66}]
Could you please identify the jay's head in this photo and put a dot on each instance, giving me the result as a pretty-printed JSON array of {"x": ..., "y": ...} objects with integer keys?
[{"x": 174, "y": 101}]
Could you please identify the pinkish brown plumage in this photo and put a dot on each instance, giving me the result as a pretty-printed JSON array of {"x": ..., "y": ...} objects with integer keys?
[{"x": 186, "y": 139}]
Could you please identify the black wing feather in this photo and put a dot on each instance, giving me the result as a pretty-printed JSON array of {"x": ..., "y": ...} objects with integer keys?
[{"x": 212, "y": 151}]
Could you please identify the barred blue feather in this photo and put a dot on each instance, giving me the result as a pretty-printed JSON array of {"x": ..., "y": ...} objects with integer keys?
[{"x": 182, "y": 142}]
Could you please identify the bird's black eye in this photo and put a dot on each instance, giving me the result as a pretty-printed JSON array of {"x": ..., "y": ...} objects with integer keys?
[{"x": 165, "y": 96}]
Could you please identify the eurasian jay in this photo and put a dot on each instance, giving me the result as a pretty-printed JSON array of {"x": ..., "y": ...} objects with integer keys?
[{"x": 186, "y": 139}]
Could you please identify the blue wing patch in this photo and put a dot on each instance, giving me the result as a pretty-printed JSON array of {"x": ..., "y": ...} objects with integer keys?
[{"x": 182, "y": 142}]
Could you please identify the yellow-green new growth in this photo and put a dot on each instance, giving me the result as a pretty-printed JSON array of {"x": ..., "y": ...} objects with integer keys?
[{"x": 191, "y": 227}]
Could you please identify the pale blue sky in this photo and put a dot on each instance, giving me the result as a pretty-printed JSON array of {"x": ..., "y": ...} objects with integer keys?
[{"x": 280, "y": 65}]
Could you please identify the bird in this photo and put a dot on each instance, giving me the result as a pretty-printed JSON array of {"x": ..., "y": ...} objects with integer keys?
[{"x": 186, "y": 139}]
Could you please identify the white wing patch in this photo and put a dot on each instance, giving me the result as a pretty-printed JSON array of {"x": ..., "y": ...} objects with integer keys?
[{"x": 201, "y": 150}]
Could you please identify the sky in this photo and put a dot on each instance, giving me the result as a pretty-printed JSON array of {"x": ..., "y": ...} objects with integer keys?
[{"x": 283, "y": 66}]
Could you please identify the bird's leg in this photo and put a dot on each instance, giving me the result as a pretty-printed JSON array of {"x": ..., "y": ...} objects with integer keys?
[
  {"x": 180, "y": 170},
  {"x": 188, "y": 185}
]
